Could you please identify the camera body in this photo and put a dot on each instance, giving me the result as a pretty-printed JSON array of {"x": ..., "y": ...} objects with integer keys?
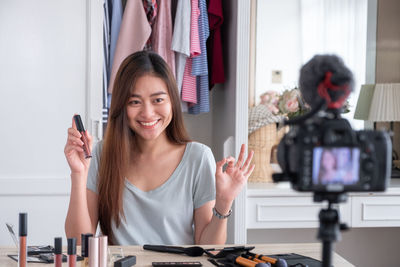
[{"x": 326, "y": 155}]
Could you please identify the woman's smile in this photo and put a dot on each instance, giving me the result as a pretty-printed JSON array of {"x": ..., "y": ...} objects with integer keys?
[{"x": 149, "y": 124}]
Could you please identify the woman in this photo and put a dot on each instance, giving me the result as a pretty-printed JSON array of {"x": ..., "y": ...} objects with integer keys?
[
  {"x": 327, "y": 170},
  {"x": 147, "y": 183}
]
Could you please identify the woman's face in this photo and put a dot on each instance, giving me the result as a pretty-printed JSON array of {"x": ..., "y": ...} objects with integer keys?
[
  {"x": 149, "y": 108},
  {"x": 328, "y": 160}
]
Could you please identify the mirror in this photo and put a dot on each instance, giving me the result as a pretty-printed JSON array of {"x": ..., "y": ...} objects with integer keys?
[{"x": 289, "y": 33}]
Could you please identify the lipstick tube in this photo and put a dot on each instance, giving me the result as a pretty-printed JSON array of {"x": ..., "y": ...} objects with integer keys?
[
  {"x": 103, "y": 245},
  {"x": 93, "y": 252},
  {"x": 58, "y": 252},
  {"x": 85, "y": 249},
  {"x": 81, "y": 130},
  {"x": 71, "y": 252},
  {"x": 22, "y": 232}
]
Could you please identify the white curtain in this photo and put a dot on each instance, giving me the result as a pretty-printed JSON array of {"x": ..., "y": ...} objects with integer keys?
[{"x": 337, "y": 27}]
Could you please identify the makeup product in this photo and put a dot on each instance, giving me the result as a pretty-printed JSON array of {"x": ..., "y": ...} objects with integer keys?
[
  {"x": 190, "y": 251},
  {"x": 177, "y": 264},
  {"x": 244, "y": 262},
  {"x": 255, "y": 259},
  {"x": 31, "y": 250},
  {"x": 71, "y": 252},
  {"x": 103, "y": 248},
  {"x": 85, "y": 249},
  {"x": 23, "y": 232},
  {"x": 81, "y": 130},
  {"x": 58, "y": 252},
  {"x": 93, "y": 252},
  {"x": 222, "y": 252},
  {"x": 276, "y": 262},
  {"x": 128, "y": 261}
]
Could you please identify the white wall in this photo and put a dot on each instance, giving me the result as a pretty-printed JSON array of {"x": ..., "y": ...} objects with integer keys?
[
  {"x": 47, "y": 72},
  {"x": 41, "y": 79},
  {"x": 278, "y": 45}
]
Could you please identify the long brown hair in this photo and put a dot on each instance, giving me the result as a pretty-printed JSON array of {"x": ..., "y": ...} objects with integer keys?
[{"x": 120, "y": 138}]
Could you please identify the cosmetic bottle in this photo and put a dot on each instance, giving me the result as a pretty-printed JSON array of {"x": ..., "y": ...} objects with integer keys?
[
  {"x": 58, "y": 252},
  {"x": 93, "y": 252},
  {"x": 85, "y": 249},
  {"x": 23, "y": 232},
  {"x": 103, "y": 245},
  {"x": 71, "y": 251}
]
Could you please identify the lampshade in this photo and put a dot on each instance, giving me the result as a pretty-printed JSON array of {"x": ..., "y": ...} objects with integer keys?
[
  {"x": 364, "y": 102},
  {"x": 385, "y": 105},
  {"x": 379, "y": 102}
]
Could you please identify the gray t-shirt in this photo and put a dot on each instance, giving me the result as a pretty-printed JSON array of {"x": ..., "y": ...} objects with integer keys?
[{"x": 164, "y": 215}]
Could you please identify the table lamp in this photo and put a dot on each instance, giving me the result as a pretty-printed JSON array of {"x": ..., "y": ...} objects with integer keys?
[{"x": 380, "y": 103}]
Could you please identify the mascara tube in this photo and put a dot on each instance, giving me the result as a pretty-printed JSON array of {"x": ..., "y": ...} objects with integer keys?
[
  {"x": 81, "y": 130},
  {"x": 71, "y": 252},
  {"x": 58, "y": 252},
  {"x": 23, "y": 232}
]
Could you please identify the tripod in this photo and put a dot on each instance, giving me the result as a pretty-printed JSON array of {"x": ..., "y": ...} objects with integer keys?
[{"x": 329, "y": 227}]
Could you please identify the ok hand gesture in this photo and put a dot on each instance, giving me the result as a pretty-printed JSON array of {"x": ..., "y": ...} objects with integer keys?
[{"x": 230, "y": 182}]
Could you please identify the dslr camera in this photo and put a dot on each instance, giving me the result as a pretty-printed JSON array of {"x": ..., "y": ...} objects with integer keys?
[{"x": 321, "y": 152}]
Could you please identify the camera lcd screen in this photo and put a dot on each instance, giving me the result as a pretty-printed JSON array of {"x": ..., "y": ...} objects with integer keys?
[{"x": 336, "y": 165}]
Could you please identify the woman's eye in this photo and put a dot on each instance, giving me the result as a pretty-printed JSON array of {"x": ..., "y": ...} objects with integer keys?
[
  {"x": 134, "y": 102},
  {"x": 159, "y": 100}
]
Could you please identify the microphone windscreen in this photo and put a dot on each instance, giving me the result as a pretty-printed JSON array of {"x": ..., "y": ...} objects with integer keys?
[{"x": 314, "y": 71}]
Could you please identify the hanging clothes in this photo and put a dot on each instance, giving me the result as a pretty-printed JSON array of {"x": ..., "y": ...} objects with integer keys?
[
  {"x": 106, "y": 56},
  {"x": 200, "y": 66},
  {"x": 181, "y": 43},
  {"x": 189, "y": 93},
  {"x": 116, "y": 19},
  {"x": 181, "y": 39},
  {"x": 111, "y": 24},
  {"x": 214, "y": 43},
  {"x": 134, "y": 33},
  {"x": 150, "y": 7},
  {"x": 189, "y": 86},
  {"x": 161, "y": 37}
]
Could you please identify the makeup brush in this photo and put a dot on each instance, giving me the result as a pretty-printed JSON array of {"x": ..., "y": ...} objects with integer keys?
[
  {"x": 245, "y": 262},
  {"x": 190, "y": 251},
  {"x": 275, "y": 262}
]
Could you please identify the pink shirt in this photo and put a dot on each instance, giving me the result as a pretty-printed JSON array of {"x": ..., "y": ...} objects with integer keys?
[
  {"x": 161, "y": 37},
  {"x": 133, "y": 35},
  {"x": 189, "y": 89}
]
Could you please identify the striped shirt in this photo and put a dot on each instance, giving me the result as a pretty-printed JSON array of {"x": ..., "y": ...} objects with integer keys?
[
  {"x": 200, "y": 66},
  {"x": 189, "y": 93}
]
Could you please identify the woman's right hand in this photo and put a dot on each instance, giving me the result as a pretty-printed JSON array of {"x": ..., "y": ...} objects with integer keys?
[{"x": 74, "y": 152}]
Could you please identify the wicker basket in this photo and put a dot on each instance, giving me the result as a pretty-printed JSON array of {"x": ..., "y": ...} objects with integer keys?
[{"x": 261, "y": 142}]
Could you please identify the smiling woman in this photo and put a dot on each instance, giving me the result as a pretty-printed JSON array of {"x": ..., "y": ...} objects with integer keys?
[
  {"x": 147, "y": 178},
  {"x": 51, "y": 68}
]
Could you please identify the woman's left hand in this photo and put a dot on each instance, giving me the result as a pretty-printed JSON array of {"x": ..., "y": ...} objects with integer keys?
[{"x": 229, "y": 183}]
